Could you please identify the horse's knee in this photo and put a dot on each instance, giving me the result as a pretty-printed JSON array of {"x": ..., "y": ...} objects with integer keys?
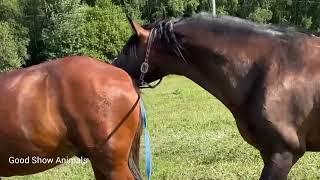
[{"x": 277, "y": 165}]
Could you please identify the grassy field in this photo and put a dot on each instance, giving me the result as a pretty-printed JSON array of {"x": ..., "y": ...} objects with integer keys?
[{"x": 193, "y": 137}]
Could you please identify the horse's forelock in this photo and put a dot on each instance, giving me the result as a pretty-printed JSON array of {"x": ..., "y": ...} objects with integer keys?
[{"x": 166, "y": 37}]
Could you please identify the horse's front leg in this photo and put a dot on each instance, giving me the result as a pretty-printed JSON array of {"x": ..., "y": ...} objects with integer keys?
[
  {"x": 280, "y": 148},
  {"x": 277, "y": 164}
]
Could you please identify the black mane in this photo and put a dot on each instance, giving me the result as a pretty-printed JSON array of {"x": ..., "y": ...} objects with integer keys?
[
  {"x": 235, "y": 25},
  {"x": 165, "y": 36}
]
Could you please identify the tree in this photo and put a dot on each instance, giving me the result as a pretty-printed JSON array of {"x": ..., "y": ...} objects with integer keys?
[
  {"x": 13, "y": 51},
  {"x": 98, "y": 31},
  {"x": 13, "y": 36},
  {"x": 37, "y": 16}
]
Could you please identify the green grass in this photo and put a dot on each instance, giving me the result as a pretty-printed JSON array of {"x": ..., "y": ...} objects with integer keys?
[{"x": 193, "y": 137}]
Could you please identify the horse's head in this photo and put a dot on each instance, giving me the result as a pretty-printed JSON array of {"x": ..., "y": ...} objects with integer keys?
[{"x": 149, "y": 52}]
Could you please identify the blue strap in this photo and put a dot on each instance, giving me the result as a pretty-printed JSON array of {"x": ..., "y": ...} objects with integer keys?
[{"x": 147, "y": 142}]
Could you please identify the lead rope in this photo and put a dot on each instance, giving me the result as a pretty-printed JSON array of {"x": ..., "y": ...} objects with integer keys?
[
  {"x": 119, "y": 125},
  {"x": 151, "y": 86},
  {"x": 147, "y": 141}
]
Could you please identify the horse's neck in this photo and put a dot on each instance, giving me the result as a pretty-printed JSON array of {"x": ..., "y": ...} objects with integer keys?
[{"x": 228, "y": 76}]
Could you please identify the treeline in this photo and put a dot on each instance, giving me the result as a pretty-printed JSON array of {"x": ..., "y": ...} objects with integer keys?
[{"x": 32, "y": 31}]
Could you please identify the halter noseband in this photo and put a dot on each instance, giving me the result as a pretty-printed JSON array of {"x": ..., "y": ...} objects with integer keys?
[{"x": 144, "y": 68}]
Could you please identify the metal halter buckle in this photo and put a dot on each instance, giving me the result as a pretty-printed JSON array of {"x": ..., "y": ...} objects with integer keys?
[{"x": 144, "y": 67}]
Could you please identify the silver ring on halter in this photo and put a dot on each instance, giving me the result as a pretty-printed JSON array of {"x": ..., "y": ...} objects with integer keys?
[{"x": 144, "y": 68}]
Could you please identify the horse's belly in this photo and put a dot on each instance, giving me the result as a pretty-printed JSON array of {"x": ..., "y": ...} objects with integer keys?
[
  {"x": 25, "y": 167},
  {"x": 23, "y": 148},
  {"x": 31, "y": 126},
  {"x": 22, "y": 155},
  {"x": 30, "y": 162}
]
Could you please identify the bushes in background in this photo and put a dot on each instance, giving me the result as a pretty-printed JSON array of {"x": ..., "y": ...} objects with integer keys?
[
  {"x": 32, "y": 31},
  {"x": 98, "y": 31}
]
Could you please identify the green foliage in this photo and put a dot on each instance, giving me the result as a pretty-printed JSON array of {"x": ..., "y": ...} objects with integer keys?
[
  {"x": 55, "y": 28},
  {"x": 288, "y": 12},
  {"x": 227, "y": 7},
  {"x": 133, "y": 8},
  {"x": 90, "y": 2},
  {"x": 178, "y": 7},
  {"x": 39, "y": 15},
  {"x": 13, "y": 36},
  {"x": 9, "y": 10},
  {"x": 174, "y": 8},
  {"x": 13, "y": 51},
  {"x": 306, "y": 22},
  {"x": 98, "y": 31},
  {"x": 261, "y": 15}
]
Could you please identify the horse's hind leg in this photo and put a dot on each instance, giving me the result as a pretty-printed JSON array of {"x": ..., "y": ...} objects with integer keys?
[
  {"x": 112, "y": 173},
  {"x": 97, "y": 173},
  {"x": 110, "y": 160},
  {"x": 111, "y": 169}
]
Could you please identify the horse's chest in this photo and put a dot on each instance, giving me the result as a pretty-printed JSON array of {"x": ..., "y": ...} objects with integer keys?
[
  {"x": 246, "y": 131},
  {"x": 249, "y": 129}
]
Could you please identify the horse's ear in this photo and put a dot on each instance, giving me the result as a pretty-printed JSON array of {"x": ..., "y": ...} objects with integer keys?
[
  {"x": 131, "y": 23},
  {"x": 142, "y": 33}
]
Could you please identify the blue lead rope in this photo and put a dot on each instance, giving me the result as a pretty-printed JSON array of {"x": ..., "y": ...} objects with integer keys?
[{"x": 147, "y": 142}]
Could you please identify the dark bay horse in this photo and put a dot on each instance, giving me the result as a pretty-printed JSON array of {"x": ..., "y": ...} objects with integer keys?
[
  {"x": 267, "y": 76},
  {"x": 71, "y": 106}
]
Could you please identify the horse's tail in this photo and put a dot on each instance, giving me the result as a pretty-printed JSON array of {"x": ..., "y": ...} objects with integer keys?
[{"x": 135, "y": 150}]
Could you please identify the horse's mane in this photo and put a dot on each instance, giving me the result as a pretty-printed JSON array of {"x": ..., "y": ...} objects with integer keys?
[
  {"x": 230, "y": 24},
  {"x": 166, "y": 36},
  {"x": 237, "y": 25}
]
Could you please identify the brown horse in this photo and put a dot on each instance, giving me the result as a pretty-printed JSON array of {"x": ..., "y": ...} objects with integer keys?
[
  {"x": 71, "y": 106},
  {"x": 267, "y": 76}
]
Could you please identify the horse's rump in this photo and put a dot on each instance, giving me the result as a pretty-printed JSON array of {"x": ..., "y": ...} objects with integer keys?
[{"x": 63, "y": 108}]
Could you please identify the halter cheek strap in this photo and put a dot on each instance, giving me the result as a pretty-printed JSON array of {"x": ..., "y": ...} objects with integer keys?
[{"x": 144, "y": 68}]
